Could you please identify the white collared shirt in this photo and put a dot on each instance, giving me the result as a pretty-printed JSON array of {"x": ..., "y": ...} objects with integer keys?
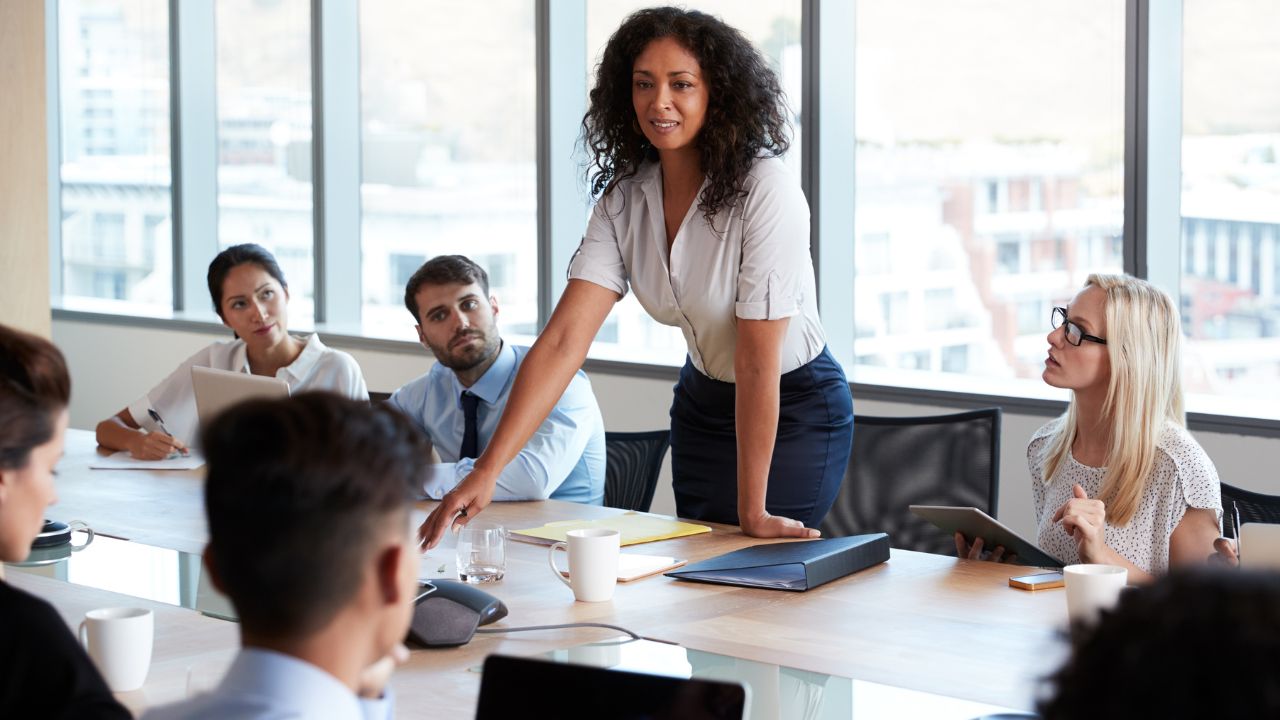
[
  {"x": 264, "y": 684},
  {"x": 316, "y": 368},
  {"x": 753, "y": 264}
]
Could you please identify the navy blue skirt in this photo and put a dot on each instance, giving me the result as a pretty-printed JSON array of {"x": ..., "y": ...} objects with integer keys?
[{"x": 815, "y": 435}]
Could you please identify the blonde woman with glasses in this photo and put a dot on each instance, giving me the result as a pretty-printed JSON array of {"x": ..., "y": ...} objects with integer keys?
[{"x": 1117, "y": 479}]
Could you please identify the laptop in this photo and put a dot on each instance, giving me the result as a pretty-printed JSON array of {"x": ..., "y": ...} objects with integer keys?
[
  {"x": 1260, "y": 546},
  {"x": 217, "y": 390},
  {"x": 513, "y": 687}
]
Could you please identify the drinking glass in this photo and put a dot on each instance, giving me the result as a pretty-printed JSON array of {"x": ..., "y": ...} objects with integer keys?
[{"x": 482, "y": 553}]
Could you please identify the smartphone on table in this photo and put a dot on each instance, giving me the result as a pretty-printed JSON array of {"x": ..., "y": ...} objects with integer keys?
[{"x": 1038, "y": 581}]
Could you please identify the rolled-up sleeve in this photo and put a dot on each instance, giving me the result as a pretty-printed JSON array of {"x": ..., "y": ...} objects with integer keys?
[
  {"x": 775, "y": 250},
  {"x": 598, "y": 259},
  {"x": 552, "y": 453}
]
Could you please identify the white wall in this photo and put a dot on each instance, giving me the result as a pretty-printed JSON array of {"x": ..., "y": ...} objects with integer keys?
[{"x": 111, "y": 365}]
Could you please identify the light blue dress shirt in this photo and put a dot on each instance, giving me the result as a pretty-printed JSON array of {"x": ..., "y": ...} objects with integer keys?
[
  {"x": 564, "y": 460},
  {"x": 264, "y": 684}
]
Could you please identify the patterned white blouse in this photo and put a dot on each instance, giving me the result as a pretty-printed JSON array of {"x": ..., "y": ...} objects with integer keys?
[{"x": 1183, "y": 477}]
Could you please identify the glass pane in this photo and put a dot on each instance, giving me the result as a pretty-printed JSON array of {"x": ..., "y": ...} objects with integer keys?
[
  {"x": 775, "y": 28},
  {"x": 264, "y": 137},
  {"x": 449, "y": 151},
  {"x": 989, "y": 178},
  {"x": 113, "y": 75},
  {"x": 1231, "y": 201}
]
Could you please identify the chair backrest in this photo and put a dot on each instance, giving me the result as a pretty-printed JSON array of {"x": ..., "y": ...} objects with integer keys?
[
  {"x": 1252, "y": 506},
  {"x": 631, "y": 473},
  {"x": 378, "y": 397},
  {"x": 901, "y": 461}
]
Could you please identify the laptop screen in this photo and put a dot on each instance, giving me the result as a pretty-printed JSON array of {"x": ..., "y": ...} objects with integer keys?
[{"x": 522, "y": 687}]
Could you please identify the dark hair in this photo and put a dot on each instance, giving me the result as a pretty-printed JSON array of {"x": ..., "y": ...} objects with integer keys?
[
  {"x": 237, "y": 255},
  {"x": 298, "y": 492},
  {"x": 34, "y": 390},
  {"x": 1195, "y": 644},
  {"x": 443, "y": 270},
  {"x": 746, "y": 111}
]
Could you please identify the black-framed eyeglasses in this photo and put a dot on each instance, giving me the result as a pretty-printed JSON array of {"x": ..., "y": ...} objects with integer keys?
[{"x": 1075, "y": 334}]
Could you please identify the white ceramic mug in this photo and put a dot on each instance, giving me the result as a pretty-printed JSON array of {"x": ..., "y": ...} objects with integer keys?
[
  {"x": 1092, "y": 589},
  {"x": 593, "y": 563},
  {"x": 119, "y": 641}
]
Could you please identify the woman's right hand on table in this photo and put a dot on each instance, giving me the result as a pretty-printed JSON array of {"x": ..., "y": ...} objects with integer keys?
[
  {"x": 975, "y": 550},
  {"x": 458, "y": 506}
]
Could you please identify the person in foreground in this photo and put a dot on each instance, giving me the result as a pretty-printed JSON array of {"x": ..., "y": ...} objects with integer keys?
[
  {"x": 702, "y": 220},
  {"x": 251, "y": 296},
  {"x": 458, "y": 402},
  {"x": 1117, "y": 479},
  {"x": 46, "y": 672},
  {"x": 1194, "y": 644},
  {"x": 309, "y": 536}
]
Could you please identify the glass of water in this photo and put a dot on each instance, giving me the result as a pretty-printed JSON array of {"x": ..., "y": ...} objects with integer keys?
[{"x": 482, "y": 552}]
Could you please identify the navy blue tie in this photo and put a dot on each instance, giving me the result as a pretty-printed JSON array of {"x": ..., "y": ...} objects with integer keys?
[{"x": 470, "y": 434}]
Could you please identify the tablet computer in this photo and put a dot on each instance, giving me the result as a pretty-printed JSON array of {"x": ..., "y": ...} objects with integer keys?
[
  {"x": 973, "y": 523},
  {"x": 217, "y": 390}
]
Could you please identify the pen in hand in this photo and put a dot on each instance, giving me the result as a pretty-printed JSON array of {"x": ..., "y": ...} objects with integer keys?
[{"x": 160, "y": 421}]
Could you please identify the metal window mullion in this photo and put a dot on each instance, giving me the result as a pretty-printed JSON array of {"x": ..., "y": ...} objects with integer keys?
[
  {"x": 829, "y": 147},
  {"x": 193, "y": 148},
  {"x": 53, "y": 131},
  {"x": 561, "y": 28},
  {"x": 1160, "y": 248},
  {"x": 335, "y": 160}
]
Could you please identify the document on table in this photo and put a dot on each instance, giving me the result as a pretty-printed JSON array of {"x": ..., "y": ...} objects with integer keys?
[
  {"x": 124, "y": 461},
  {"x": 634, "y": 527}
]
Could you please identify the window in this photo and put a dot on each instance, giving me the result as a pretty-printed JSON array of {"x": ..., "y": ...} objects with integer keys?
[
  {"x": 114, "y": 145},
  {"x": 775, "y": 28},
  {"x": 1000, "y": 146},
  {"x": 264, "y": 136},
  {"x": 449, "y": 150},
  {"x": 1231, "y": 198}
]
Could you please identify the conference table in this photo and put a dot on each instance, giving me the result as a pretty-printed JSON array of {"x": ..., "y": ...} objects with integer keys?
[{"x": 926, "y": 624}]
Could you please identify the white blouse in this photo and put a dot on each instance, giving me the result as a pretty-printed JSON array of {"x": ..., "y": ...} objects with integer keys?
[
  {"x": 1183, "y": 477},
  {"x": 751, "y": 262},
  {"x": 316, "y": 368}
]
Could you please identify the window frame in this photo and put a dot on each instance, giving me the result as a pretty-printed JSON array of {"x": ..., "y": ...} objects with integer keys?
[{"x": 1152, "y": 158}]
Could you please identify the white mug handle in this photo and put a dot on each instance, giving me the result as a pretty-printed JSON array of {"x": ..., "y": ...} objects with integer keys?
[
  {"x": 551, "y": 560},
  {"x": 84, "y": 634},
  {"x": 81, "y": 525}
]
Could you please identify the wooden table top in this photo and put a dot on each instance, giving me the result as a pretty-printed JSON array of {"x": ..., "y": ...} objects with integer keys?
[{"x": 923, "y": 622}]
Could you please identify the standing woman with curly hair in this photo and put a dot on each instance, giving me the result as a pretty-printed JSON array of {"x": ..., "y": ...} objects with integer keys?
[{"x": 699, "y": 217}]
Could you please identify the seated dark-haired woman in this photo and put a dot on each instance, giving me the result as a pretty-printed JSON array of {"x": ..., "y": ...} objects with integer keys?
[
  {"x": 251, "y": 296},
  {"x": 45, "y": 673}
]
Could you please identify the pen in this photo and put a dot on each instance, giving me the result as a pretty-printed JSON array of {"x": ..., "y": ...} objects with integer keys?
[
  {"x": 160, "y": 421},
  {"x": 1235, "y": 517}
]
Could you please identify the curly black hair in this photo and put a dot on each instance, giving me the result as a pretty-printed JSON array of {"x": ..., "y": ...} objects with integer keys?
[
  {"x": 1195, "y": 644},
  {"x": 746, "y": 110}
]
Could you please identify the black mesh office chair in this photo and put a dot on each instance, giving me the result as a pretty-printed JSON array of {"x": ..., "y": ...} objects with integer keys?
[
  {"x": 1252, "y": 506},
  {"x": 901, "y": 461},
  {"x": 631, "y": 474},
  {"x": 378, "y": 397}
]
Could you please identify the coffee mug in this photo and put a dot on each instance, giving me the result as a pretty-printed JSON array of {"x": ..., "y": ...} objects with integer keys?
[
  {"x": 119, "y": 641},
  {"x": 593, "y": 563},
  {"x": 1092, "y": 589}
]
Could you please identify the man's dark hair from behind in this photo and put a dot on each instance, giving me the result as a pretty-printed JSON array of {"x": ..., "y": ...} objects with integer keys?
[
  {"x": 1199, "y": 643},
  {"x": 443, "y": 270},
  {"x": 298, "y": 494}
]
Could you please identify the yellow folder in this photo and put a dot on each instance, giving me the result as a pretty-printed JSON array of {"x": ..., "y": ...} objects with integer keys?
[{"x": 633, "y": 527}]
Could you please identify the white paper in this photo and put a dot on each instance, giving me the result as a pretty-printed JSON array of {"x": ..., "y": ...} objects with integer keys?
[{"x": 124, "y": 461}]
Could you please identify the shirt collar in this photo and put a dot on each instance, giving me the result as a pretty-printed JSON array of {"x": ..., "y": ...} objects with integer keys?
[
  {"x": 258, "y": 672},
  {"x": 311, "y": 352},
  {"x": 490, "y": 385}
]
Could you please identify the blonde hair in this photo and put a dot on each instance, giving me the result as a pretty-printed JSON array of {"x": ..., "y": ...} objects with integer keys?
[{"x": 1144, "y": 345}]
